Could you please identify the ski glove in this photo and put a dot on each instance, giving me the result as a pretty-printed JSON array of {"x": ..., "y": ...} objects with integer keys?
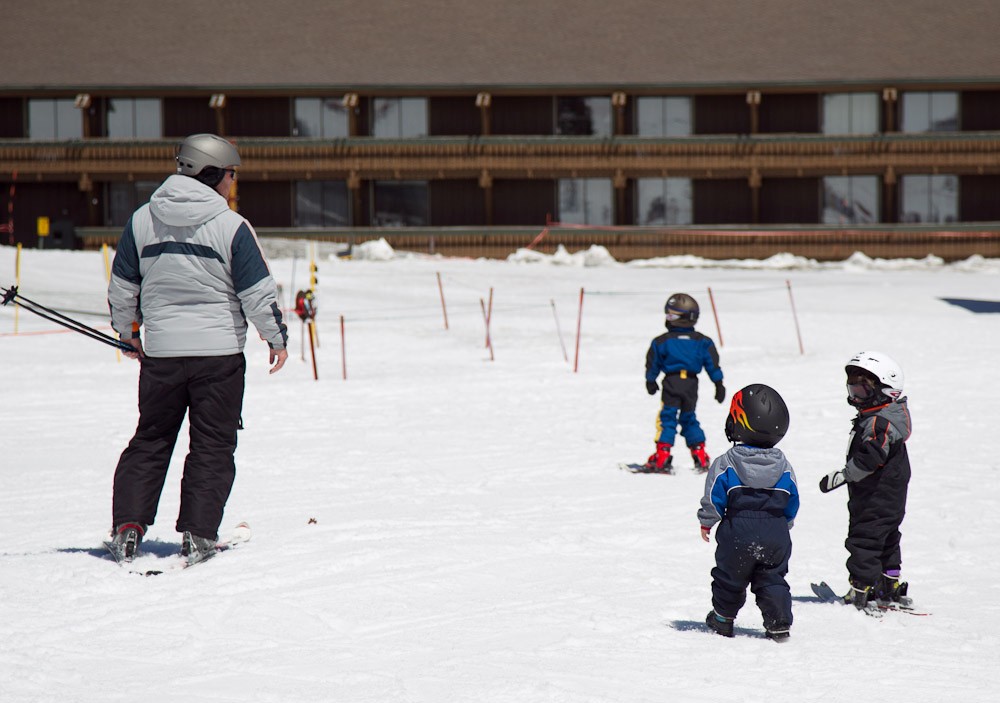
[
  {"x": 720, "y": 392},
  {"x": 832, "y": 480},
  {"x": 651, "y": 387}
]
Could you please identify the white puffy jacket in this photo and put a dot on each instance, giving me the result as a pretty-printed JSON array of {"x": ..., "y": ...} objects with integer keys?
[{"x": 190, "y": 271}]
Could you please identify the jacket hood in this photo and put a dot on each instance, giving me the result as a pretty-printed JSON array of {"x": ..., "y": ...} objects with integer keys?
[
  {"x": 898, "y": 415},
  {"x": 758, "y": 467},
  {"x": 181, "y": 201}
]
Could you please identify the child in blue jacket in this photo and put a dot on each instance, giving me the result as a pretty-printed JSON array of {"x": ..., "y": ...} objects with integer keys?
[
  {"x": 750, "y": 491},
  {"x": 680, "y": 355}
]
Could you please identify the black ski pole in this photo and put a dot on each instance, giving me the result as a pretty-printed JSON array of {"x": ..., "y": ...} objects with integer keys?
[{"x": 11, "y": 294}]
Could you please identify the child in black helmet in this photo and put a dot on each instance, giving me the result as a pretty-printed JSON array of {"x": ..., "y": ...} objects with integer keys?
[
  {"x": 877, "y": 474},
  {"x": 751, "y": 492},
  {"x": 681, "y": 354}
]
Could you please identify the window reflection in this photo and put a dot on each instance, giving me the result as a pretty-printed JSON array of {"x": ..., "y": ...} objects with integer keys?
[
  {"x": 664, "y": 201},
  {"x": 399, "y": 118},
  {"x": 322, "y": 204},
  {"x": 124, "y": 197},
  {"x": 930, "y": 112},
  {"x": 850, "y": 200},
  {"x": 927, "y": 198},
  {"x": 400, "y": 204},
  {"x": 663, "y": 117},
  {"x": 583, "y": 116},
  {"x": 52, "y": 119},
  {"x": 322, "y": 118},
  {"x": 586, "y": 201},
  {"x": 851, "y": 113},
  {"x": 134, "y": 118}
]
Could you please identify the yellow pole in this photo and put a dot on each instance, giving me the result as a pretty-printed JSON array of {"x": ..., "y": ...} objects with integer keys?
[
  {"x": 17, "y": 283},
  {"x": 107, "y": 279}
]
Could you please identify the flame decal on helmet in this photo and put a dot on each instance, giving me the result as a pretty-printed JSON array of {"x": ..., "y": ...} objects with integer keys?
[{"x": 736, "y": 411}]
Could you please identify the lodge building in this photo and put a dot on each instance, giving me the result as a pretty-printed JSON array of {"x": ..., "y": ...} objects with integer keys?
[{"x": 628, "y": 121}]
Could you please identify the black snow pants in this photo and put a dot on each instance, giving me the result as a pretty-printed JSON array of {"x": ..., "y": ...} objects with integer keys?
[
  {"x": 877, "y": 506},
  {"x": 753, "y": 549},
  {"x": 210, "y": 390}
]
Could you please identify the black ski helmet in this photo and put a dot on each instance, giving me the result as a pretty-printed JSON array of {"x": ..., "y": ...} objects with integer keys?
[
  {"x": 758, "y": 416},
  {"x": 681, "y": 310}
]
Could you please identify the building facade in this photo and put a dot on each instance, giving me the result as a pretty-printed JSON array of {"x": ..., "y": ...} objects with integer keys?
[{"x": 484, "y": 147}]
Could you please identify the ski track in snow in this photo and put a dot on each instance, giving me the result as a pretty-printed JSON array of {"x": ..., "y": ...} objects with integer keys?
[{"x": 441, "y": 527}]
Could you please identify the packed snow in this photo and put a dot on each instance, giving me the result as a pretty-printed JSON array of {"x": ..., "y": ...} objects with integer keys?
[{"x": 449, "y": 522}]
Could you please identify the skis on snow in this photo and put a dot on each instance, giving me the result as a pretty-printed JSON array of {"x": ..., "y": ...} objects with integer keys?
[
  {"x": 239, "y": 535},
  {"x": 875, "y": 609}
]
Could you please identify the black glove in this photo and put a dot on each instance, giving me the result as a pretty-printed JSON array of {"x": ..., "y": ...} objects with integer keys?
[
  {"x": 832, "y": 480},
  {"x": 720, "y": 392},
  {"x": 651, "y": 387}
]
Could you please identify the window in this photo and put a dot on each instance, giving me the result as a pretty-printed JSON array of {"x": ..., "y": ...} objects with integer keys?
[
  {"x": 322, "y": 204},
  {"x": 928, "y": 199},
  {"x": 664, "y": 201},
  {"x": 400, "y": 204},
  {"x": 663, "y": 117},
  {"x": 929, "y": 112},
  {"x": 850, "y": 200},
  {"x": 134, "y": 118},
  {"x": 322, "y": 118},
  {"x": 396, "y": 118},
  {"x": 585, "y": 201},
  {"x": 583, "y": 116},
  {"x": 124, "y": 197},
  {"x": 50, "y": 119},
  {"x": 851, "y": 113}
]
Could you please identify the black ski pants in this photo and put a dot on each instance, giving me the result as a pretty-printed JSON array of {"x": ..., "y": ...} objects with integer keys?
[
  {"x": 877, "y": 506},
  {"x": 753, "y": 549},
  {"x": 210, "y": 390}
]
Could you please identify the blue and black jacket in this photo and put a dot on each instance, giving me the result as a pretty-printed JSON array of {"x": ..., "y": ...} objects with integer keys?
[{"x": 750, "y": 482}]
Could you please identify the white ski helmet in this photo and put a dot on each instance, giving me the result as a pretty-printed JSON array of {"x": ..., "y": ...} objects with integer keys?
[
  {"x": 882, "y": 366},
  {"x": 201, "y": 150}
]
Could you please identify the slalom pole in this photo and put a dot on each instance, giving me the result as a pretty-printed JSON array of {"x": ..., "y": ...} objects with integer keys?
[
  {"x": 486, "y": 320},
  {"x": 795, "y": 316},
  {"x": 559, "y": 331},
  {"x": 11, "y": 294},
  {"x": 302, "y": 334},
  {"x": 17, "y": 283},
  {"x": 579, "y": 322},
  {"x": 489, "y": 315},
  {"x": 107, "y": 279},
  {"x": 343, "y": 348},
  {"x": 444, "y": 308},
  {"x": 715, "y": 314},
  {"x": 312, "y": 351}
]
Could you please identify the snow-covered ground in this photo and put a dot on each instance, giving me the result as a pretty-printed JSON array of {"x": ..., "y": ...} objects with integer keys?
[{"x": 444, "y": 527}]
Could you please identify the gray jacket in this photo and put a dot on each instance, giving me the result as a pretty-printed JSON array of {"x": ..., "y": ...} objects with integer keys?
[
  {"x": 877, "y": 440},
  {"x": 191, "y": 272}
]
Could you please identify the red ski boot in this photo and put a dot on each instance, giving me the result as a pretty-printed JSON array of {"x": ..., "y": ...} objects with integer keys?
[
  {"x": 660, "y": 462},
  {"x": 701, "y": 459}
]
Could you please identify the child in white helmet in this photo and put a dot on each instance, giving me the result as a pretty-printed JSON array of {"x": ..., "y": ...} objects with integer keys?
[{"x": 877, "y": 473}]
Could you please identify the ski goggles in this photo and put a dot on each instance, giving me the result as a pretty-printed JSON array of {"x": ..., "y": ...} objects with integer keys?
[{"x": 860, "y": 388}]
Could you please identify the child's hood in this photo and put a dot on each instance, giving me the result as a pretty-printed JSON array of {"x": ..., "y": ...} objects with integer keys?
[
  {"x": 898, "y": 415},
  {"x": 758, "y": 467}
]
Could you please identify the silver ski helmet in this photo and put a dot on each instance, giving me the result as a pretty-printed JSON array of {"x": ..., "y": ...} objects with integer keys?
[
  {"x": 681, "y": 310},
  {"x": 199, "y": 151},
  {"x": 873, "y": 378},
  {"x": 758, "y": 416}
]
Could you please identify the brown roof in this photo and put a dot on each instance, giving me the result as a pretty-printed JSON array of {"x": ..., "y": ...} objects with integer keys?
[{"x": 344, "y": 44}]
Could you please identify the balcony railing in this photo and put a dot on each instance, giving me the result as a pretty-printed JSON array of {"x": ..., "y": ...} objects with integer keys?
[{"x": 525, "y": 157}]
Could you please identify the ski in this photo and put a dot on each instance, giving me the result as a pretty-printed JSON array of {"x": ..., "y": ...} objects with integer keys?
[
  {"x": 643, "y": 469},
  {"x": 826, "y": 594},
  {"x": 240, "y": 535}
]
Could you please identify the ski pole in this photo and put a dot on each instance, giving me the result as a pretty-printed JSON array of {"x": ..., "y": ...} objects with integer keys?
[{"x": 11, "y": 293}]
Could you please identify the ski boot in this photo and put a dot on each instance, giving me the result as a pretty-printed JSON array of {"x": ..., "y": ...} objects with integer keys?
[
  {"x": 778, "y": 633},
  {"x": 859, "y": 596},
  {"x": 719, "y": 623},
  {"x": 660, "y": 462},
  {"x": 891, "y": 592},
  {"x": 125, "y": 543},
  {"x": 701, "y": 459},
  {"x": 197, "y": 549}
]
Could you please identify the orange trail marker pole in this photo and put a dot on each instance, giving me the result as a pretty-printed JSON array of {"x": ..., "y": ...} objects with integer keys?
[
  {"x": 715, "y": 314},
  {"x": 795, "y": 317},
  {"x": 579, "y": 322},
  {"x": 444, "y": 308},
  {"x": 486, "y": 320},
  {"x": 343, "y": 348}
]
